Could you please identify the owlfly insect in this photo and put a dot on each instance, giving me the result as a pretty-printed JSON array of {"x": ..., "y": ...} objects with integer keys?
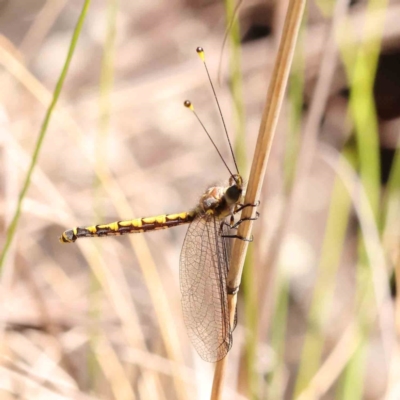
[{"x": 205, "y": 256}]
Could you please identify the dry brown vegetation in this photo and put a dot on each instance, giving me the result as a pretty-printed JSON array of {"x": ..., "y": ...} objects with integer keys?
[{"x": 101, "y": 319}]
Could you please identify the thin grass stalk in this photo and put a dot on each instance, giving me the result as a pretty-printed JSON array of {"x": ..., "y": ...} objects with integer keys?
[
  {"x": 268, "y": 125},
  {"x": 307, "y": 148},
  {"x": 313, "y": 344},
  {"x": 40, "y": 27},
  {"x": 120, "y": 300},
  {"x": 392, "y": 195},
  {"x": 352, "y": 384},
  {"x": 361, "y": 77},
  {"x": 381, "y": 310},
  {"x": 35, "y": 156},
  {"x": 324, "y": 286},
  {"x": 397, "y": 305},
  {"x": 249, "y": 286},
  {"x": 106, "y": 84},
  {"x": 236, "y": 83},
  {"x": 251, "y": 325},
  {"x": 391, "y": 225},
  {"x": 114, "y": 370},
  {"x": 295, "y": 101},
  {"x": 281, "y": 292},
  {"x": 351, "y": 340},
  {"x": 276, "y": 378},
  {"x": 333, "y": 365}
]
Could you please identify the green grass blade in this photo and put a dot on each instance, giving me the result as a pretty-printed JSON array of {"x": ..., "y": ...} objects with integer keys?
[
  {"x": 325, "y": 283},
  {"x": 361, "y": 64},
  {"x": 352, "y": 385},
  {"x": 57, "y": 91},
  {"x": 391, "y": 203},
  {"x": 276, "y": 381},
  {"x": 296, "y": 99}
]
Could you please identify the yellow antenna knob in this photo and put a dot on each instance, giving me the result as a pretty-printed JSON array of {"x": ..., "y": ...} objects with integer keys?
[
  {"x": 188, "y": 104},
  {"x": 201, "y": 54}
]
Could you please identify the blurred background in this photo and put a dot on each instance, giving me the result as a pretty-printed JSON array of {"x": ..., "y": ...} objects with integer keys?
[{"x": 101, "y": 319}]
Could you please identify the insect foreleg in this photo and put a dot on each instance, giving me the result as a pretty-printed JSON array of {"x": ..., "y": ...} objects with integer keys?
[{"x": 240, "y": 207}]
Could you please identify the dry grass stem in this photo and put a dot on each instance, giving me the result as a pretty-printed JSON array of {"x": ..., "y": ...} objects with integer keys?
[
  {"x": 269, "y": 121},
  {"x": 103, "y": 318}
]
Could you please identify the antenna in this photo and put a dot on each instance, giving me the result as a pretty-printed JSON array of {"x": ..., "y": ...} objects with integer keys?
[
  {"x": 188, "y": 104},
  {"x": 200, "y": 52}
]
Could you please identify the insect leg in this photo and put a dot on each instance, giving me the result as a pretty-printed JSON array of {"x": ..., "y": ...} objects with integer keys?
[
  {"x": 235, "y": 226},
  {"x": 242, "y": 206},
  {"x": 238, "y": 237},
  {"x": 223, "y": 223}
]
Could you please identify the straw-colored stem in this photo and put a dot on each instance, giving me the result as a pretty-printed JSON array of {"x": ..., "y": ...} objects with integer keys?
[
  {"x": 267, "y": 130},
  {"x": 250, "y": 376},
  {"x": 269, "y": 121},
  {"x": 106, "y": 85},
  {"x": 220, "y": 367}
]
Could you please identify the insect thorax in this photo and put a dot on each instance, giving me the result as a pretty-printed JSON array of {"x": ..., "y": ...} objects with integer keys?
[{"x": 220, "y": 201}]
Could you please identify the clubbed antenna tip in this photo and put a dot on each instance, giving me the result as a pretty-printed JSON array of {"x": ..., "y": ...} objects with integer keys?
[
  {"x": 200, "y": 52},
  {"x": 188, "y": 104}
]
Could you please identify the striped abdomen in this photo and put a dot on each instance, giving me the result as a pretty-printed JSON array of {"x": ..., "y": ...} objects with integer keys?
[{"x": 138, "y": 225}]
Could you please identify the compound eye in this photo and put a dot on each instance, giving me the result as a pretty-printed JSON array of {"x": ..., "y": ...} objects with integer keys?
[{"x": 233, "y": 194}]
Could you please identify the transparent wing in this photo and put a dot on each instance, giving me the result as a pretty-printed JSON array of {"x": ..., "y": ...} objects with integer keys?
[{"x": 204, "y": 266}]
